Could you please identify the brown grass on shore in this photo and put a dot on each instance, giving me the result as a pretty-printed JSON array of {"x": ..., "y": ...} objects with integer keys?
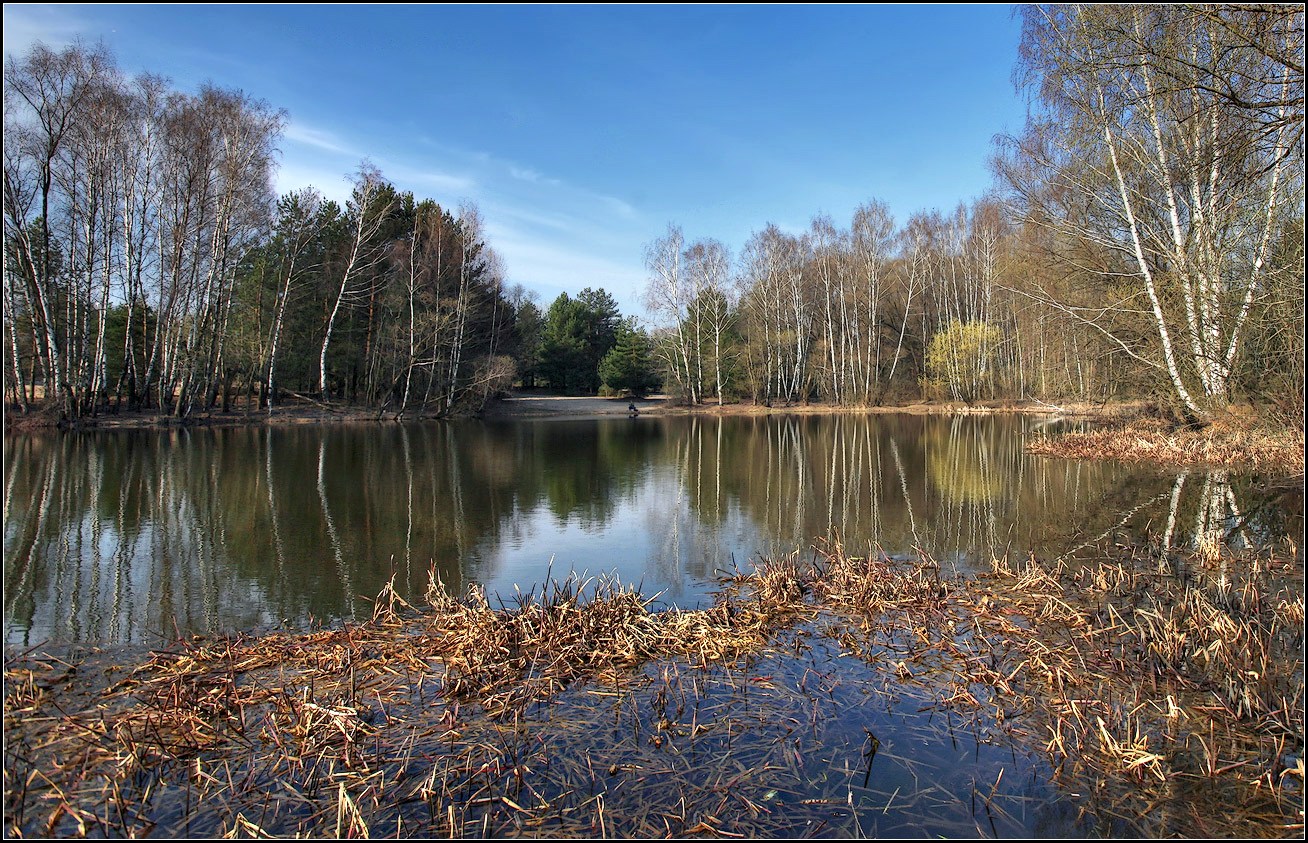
[
  {"x": 1224, "y": 444},
  {"x": 1134, "y": 676}
]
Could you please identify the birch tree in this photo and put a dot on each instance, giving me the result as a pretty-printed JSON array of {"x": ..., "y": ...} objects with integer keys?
[
  {"x": 871, "y": 244},
  {"x": 47, "y": 94},
  {"x": 779, "y": 320},
  {"x": 827, "y": 247},
  {"x": 708, "y": 264},
  {"x": 302, "y": 217},
  {"x": 369, "y": 203},
  {"x": 1181, "y": 127},
  {"x": 472, "y": 266},
  {"x": 668, "y": 294},
  {"x": 139, "y": 195}
]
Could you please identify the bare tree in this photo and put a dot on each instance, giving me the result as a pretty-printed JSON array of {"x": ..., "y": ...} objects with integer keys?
[
  {"x": 827, "y": 245},
  {"x": 301, "y": 220},
  {"x": 871, "y": 243},
  {"x": 668, "y": 295},
  {"x": 46, "y": 97},
  {"x": 780, "y": 321},
  {"x": 1178, "y": 127},
  {"x": 708, "y": 265},
  {"x": 138, "y": 193},
  {"x": 367, "y": 208},
  {"x": 471, "y": 263}
]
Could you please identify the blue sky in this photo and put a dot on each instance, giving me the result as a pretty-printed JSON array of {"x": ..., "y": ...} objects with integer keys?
[{"x": 580, "y": 132}]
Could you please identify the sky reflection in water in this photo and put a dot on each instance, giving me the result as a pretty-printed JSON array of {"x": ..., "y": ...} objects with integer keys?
[{"x": 134, "y": 536}]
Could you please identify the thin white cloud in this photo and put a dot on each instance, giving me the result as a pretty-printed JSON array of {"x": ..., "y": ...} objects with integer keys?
[
  {"x": 324, "y": 159},
  {"x": 331, "y": 182},
  {"x": 493, "y": 168},
  {"x": 623, "y": 209},
  {"x": 553, "y": 236},
  {"x": 404, "y": 176},
  {"x": 53, "y": 25},
  {"x": 548, "y": 247},
  {"x": 529, "y": 175},
  {"x": 562, "y": 223},
  {"x": 551, "y": 266},
  {"x": 611, "y": 204},
  {"x": 320, "y": 139}
]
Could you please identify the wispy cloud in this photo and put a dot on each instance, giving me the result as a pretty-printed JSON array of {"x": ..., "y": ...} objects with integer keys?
[
  {"x": 623, "y": 209},
  {"x": 529, "y": 175},
  {"x": 321, "y": 139},
  {"x": 405, "y": 176},
  {"x": 554, "y": 236},
  {"x": 611, "y": 204},
  {"x": 332, "y": 182},
  {"x": 551, "y": 264},
  {"x": 325, "y": 159},
  {"x": 53, "y": 25},
  {"x": 562, "y": 223},
  {"x": 492, "y": 170}
]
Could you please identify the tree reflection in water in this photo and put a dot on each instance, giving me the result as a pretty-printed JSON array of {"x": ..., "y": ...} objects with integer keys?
[{"x": 134, "y": 536}]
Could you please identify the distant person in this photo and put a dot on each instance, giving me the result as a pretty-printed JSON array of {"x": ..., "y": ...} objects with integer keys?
[{"x": 631, "y": 408}]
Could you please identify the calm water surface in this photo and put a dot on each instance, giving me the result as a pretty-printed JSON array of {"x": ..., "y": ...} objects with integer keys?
[{"x": 136, "y": 536}]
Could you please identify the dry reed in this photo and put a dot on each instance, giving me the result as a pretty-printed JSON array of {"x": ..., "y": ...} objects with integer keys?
[
  {"x": 580, "y": 712},
  {"x": 1229, "y": 446}
]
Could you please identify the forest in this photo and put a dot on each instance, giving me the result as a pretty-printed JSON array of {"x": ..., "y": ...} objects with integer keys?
[{"x": 1143, "y": 239}]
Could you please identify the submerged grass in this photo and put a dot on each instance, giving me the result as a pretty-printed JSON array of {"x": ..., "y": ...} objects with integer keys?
[{"x": 823, "y": 694}]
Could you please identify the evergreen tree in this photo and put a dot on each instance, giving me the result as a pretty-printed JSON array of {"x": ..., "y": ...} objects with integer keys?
[
  {"x": 574, "y": 339},
  {"x": 563, "y": 345},
  {"x": 629, "y": 366},
  {"x": 528, "y": 327},
  {"x": 601, "y": 319}
]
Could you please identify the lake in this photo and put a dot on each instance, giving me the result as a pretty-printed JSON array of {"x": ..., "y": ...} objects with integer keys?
[{"x": 136, "y": 537}]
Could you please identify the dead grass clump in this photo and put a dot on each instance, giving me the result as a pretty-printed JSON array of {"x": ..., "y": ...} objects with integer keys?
[
  {"x": 543, "y": 643},
  {"x": 1224, "y": 445},
  {"x": 1133, "y": 680},
  {"x": 314, "y": 711},
  {"x": 1202, "y": 675},
  {"x": 877, "y": 583}
]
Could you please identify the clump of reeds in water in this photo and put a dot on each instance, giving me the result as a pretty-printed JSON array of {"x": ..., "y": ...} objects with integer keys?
[
  {"x": 578, "y": 711},
  {"x": 1136, "y": 673},
  {"x": 1221, "y": 445},
  {"x": 313, "y": 708},
  {"x": 537, "y": 645},
  {"x": 1149, "y": 679}
]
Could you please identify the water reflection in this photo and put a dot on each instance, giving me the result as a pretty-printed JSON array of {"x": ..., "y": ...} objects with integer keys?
[{"x": 133, "y": 536}]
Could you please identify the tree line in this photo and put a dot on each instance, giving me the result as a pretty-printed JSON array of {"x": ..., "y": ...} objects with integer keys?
[
  {"x": 1144, "y": 238},
  {"x": 148, "y": 264}
]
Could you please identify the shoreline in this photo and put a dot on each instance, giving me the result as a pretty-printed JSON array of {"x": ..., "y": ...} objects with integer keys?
[
  {"x": 1124, "y": 431},
  {"x": 526, "y": 405}
]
